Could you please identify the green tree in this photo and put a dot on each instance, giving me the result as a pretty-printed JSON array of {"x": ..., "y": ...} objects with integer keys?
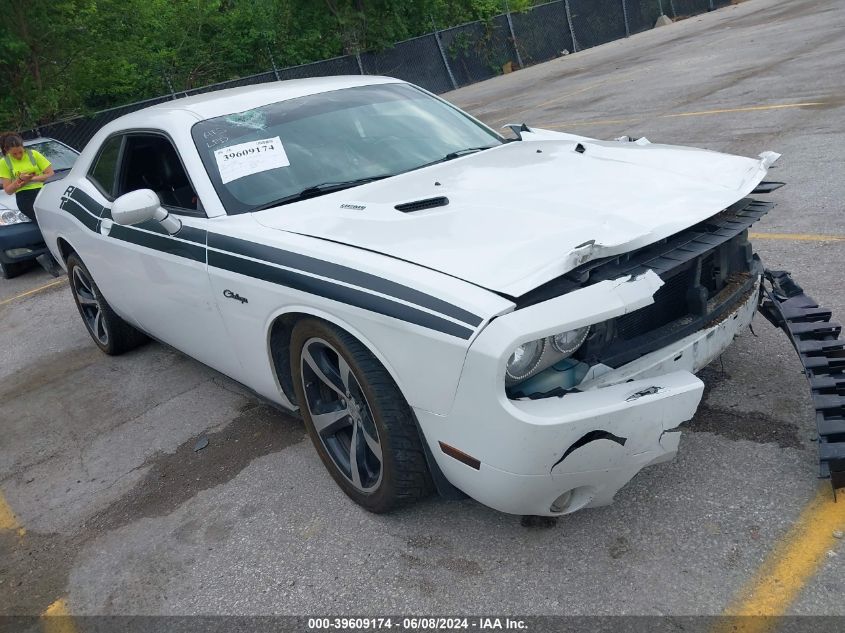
[{"x": 59, "y": 58}]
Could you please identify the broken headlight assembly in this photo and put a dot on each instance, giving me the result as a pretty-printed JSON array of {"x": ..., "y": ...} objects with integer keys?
[{"x": 531, "y": 358}]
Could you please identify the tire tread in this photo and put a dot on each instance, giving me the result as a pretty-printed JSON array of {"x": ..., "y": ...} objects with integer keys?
[{"x": 411, "y": 477}]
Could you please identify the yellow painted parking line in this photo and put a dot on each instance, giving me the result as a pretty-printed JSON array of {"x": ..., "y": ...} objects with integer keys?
[
  {"x": 556, "y": 126},
  {"x": 33, "y": 291},
  {"x": 56, "y": 618},
  {"x": 8, "y": 520},
  {"x": 791, "y": 564},
  {"x": 572, "y": 93},
  {"x": 643, "y": 117},
  {"x": 778, "y": 106},
  {"x": 797, "y": 237}
]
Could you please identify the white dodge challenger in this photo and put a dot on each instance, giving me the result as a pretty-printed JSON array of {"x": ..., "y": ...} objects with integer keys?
[{"x": 517, "y": 319}]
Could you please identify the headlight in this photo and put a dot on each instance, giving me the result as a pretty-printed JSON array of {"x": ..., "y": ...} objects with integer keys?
[
  {"x": 524, "y": 360},
  {"x": 11, "y": 216},
  {"x": 529, "y": 359},
  {"x": 569, "y": 342}
]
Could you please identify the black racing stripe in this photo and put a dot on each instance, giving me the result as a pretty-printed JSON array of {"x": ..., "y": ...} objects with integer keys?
[
  {"x": 340, "y": 273},
  {"x": 72, "y": 207},
  {"x": 336, "y": 292},
  {"x": 191, "y": 234},
  {"x": 152, "y": 226},
  {"x": 158, "y": 242},
  {"x": 188, "y": 233},
  {"x": 158, "y": 239},
  {"x": 88, "y": 202}
]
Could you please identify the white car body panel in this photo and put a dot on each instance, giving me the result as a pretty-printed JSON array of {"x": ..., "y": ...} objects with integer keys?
[
  {"x": 150, "y": 286},
  {"x": 524, "y": 213},
  {"x": 540, "y": 431},
  {"x": 402, "y": 348},
  {"x": 429, "y": 293},
  {"x": 521, "y": 470}
]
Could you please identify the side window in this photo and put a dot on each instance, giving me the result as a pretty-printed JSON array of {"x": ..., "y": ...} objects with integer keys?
[
  {"x": 102, "y": 172},
  {"x": 151, "y": 162}
]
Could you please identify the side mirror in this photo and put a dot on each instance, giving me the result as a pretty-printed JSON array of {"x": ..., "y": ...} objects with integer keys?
[{"x": 140, "y": 206}]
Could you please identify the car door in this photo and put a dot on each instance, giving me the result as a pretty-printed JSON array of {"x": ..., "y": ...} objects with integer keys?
[{"x": 156, "y": 281}]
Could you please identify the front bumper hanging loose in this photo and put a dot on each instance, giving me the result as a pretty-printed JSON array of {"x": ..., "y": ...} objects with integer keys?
[{"x": 822, "y": 353}]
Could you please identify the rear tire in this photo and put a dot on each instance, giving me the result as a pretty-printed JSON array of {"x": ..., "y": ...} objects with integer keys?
[
  {"x": 109, "y": 332},
  {"x": 359, "y": 422}
]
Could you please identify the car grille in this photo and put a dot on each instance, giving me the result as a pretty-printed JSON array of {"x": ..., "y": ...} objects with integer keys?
[{"x": 670, "y": 304}]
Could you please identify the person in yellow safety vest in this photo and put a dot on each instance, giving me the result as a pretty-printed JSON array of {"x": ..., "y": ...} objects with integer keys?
[{"x": 23, "y": 173}]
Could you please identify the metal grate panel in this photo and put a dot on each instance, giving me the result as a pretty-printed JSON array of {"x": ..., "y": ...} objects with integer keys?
[{"x": 822, "y": 353}]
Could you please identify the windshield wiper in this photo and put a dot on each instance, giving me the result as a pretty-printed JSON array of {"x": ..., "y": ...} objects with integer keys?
[
  {"x": 457, "y": 154},
  {"x": 331, "y": 187},
  {"x": 319, "y": 190},
  {"x": 464, "y": 152}
]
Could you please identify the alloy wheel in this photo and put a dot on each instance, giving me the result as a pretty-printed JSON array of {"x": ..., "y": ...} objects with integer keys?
[
  {"x": 89, "y": 305},
  {"x": 341, "y": 415}
]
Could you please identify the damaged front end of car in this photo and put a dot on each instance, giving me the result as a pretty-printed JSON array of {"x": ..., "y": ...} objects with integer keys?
[
  {"x": 570, "y": 448},
  {"x": 707, "y": 271},
  {"x": 582, "y": 407}
]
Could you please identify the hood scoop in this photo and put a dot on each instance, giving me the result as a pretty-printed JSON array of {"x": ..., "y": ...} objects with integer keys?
[{"x": 420, "y": 205}]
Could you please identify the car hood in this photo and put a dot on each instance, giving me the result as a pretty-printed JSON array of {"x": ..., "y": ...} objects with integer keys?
[{"x": 526, "y": 212}]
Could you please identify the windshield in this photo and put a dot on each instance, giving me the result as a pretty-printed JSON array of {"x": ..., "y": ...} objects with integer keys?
[
  {"x": 60, "y": 156},
  {"x": 321, "y": 143}
]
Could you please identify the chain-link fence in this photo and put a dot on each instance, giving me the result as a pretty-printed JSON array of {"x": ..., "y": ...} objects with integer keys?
[
  {"x": 419, "y": 61},
  {"x": 544, "y": 33},
  {"x": 450, "y": 58}
]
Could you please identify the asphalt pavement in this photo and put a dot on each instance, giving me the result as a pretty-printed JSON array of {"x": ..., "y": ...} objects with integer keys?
[{"x": 114, "y": 510}]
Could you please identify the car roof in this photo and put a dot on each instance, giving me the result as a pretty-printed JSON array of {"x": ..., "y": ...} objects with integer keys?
[
  {"x": 40, "y": 139},
  {"x": 231, "y": 100},
  {"x": 46, "y": 139}
]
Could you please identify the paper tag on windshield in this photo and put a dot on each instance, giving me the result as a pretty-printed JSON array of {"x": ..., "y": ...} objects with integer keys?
[{"x": 245, "y": 159}]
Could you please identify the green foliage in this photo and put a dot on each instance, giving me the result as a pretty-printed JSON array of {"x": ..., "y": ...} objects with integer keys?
[{"x": 59, "y": 58}]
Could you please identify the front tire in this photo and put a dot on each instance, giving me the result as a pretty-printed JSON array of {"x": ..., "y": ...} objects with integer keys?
[
  {"x": 359, "y": 422},
  {"x": 109, "y": 332}
]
